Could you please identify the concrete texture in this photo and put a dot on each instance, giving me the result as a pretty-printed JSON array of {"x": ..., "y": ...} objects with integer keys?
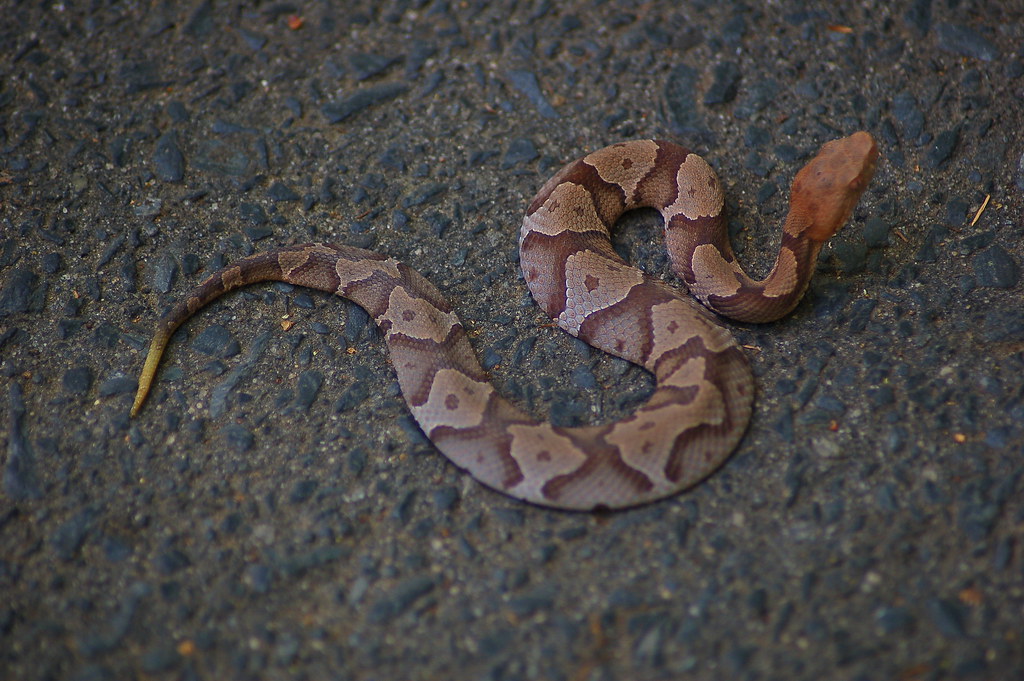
[{"x": 274, "y": 512}]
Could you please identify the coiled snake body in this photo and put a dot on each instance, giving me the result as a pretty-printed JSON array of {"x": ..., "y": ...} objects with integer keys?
[{"x": 704, "y": 389}]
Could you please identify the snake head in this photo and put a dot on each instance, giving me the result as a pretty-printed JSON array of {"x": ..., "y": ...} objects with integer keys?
[{"x": 826, "y": 190}]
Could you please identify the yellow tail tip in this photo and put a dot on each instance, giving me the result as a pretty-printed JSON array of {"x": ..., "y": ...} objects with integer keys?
[
  {"x": 140, "y": 397},
  {"x": 156, "y": 349}
]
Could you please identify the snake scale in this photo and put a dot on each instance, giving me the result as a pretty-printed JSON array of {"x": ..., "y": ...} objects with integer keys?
[{"x": 704, "y": 389}]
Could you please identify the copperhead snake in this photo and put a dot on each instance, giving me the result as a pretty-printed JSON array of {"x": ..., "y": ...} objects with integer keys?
[{"x": 704, "y": 388}]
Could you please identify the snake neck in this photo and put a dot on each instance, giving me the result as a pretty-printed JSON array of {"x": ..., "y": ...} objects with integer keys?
[{"x": 777, "y": 294}]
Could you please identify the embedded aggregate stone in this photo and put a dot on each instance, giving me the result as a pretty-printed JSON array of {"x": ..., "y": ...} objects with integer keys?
[
  {"x": 20, "y": 480},
  {"x": 367, "y": 65},
  {"x": 258, "y": 577},
  {"x": 257, "y": 233},
  {"x": 252, "y": 212},
  {"x": 876, "y": 232},
  {"x": 757, "y": 98},
  {"x": 400, "y": 599},
  {"x": 111, "y": 250},
  {"x": 302, "y": 491},
  {"x": 919, "y": 15},
  {"x": 850, "y": 255},
  {"x": 679, "y": 105},
  {"x": 725, "y": 85},
  {"x": 52, "y": 263},
  {"x": 238, "y": 437},
  {"x": 906, "y": 111},
  {"x": 226, "y": 158},
  {"x": 1003, "y": 325},
  {"x": 942, "y": 149},
  {"x": 965, "y": 40},
  {"x": 428, "y": 193},
  {"x": 539, "y": 599},
  {"x": 279, "y": 191},
  {"x": 995, "y": 267},
  {"x": 164, "y": 273},
  {"x": 217, "y": 341},
  {"x": 526, "y": 82},
  {"x": 78, "y": 380},
  {"x": 21, "y": 292},
  {"x": 117, "y": 385},
  {"x": 520, "y": 151},
  {"x": 445, "y": 498},
  {"x": 168, "y": 161},
  {"x": 947, "y": 617},
  {"x": 584, "y": 378},
  {"x": 309, "y": 385},
  {"x": 346, "y": 107}
]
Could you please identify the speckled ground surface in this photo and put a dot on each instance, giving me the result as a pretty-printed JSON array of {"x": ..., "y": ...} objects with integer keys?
[{"x": 274, "y": 512}]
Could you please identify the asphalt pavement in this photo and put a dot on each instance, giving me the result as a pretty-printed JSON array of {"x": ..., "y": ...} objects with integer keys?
[{"x": 274, "y": 511}]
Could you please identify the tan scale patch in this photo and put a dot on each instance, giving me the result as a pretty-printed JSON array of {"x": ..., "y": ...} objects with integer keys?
[
  {"x": 289, "y": 261},
  {"x": 670, "y": 327},
  {"x": 455, "y": 400},
  {"x": 687, "y": 374},
  {"x": 625, "y": 164},
  {"x": 798, "y": 220},
  {"x": 674, "y": 323},
  {"x": 699, "y": 195},
  {"x": 416, "y": 317},
  {"x": 646, "y": 441},
  {"x": 569, "y": 208},
  {"x": 783, "y": 278},
  {"x": 357, "y": 270},
  {"x": 593, "y": 282},
  {"x": 232, "y": 277},
  {"x": 712, "y": 274},
  {"x": 542, "y": 454}
]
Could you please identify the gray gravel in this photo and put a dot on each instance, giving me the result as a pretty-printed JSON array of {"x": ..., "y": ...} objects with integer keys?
[{"x": 274, "y": 512}]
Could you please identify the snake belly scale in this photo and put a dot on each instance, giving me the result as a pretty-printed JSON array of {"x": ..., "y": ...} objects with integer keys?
[{"x": 704, "y": 389}]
